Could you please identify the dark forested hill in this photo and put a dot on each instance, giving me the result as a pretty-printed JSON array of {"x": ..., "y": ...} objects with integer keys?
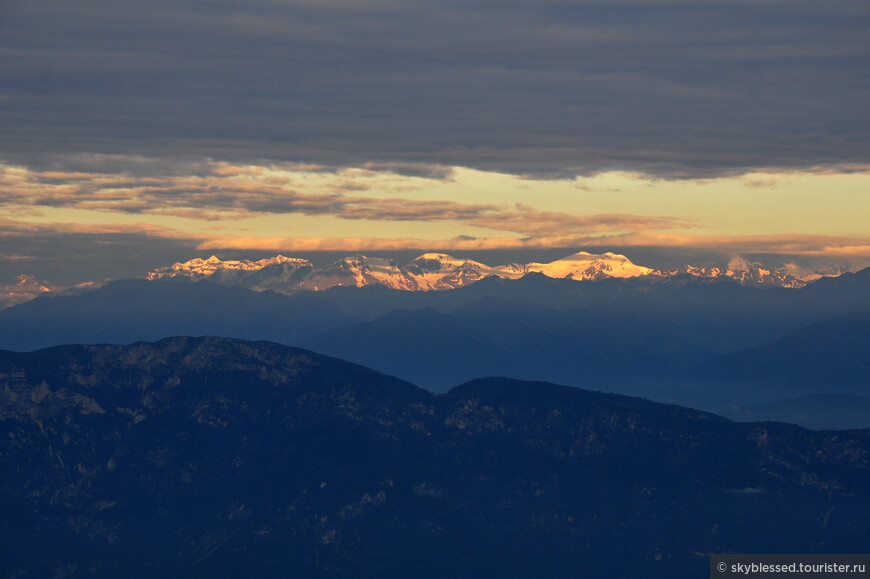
[{"x": 216, "y": 457}]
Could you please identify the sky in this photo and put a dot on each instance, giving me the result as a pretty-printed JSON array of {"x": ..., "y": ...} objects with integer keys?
[{"x": 140, "y": 133}]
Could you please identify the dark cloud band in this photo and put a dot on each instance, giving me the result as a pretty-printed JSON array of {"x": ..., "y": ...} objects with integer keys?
[{"x": 549, "y": 88}]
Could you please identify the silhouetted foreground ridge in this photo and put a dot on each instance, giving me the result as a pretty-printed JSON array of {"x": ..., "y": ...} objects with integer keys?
[{"x": 216, "y": 457}]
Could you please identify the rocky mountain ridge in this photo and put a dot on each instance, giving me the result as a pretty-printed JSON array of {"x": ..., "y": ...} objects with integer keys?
[
  {"x": 438, "y": 271},
  {"x": 203, "y": 457},
  {"x": 25, "y": 288},
  {"x": 428, "y": 272}
]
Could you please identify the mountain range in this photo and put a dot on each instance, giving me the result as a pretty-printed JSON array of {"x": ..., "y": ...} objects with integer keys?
[
  {"x": 430, "y": 271},
  {"x": 25, "y": 288},
  {"x": 438, "y": 271},
  {"x": 204, "y": 457},
  {"x": 708, "y": 343},
  {"x": 834, "y": 353}
]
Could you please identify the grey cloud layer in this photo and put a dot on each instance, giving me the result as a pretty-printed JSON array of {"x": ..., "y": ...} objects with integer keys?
[
  {"x": 546, "y": 87},
  {"x": 67, "y": 255},
  {"x": 220, "y": 191}
]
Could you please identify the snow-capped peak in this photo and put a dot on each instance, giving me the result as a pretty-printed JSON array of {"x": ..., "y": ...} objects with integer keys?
[
  {"x": 740, "y": 270},
  {"x": 443, "y": 257},
  {"x": 589, "y": 266},
  {"x": 25, "y": 288},
  {"x": 198, "y": 268},
  {"x": 440, "y": 271},
  {"x": 739, "y": 263},
  {"x": 359, "y": 270}
]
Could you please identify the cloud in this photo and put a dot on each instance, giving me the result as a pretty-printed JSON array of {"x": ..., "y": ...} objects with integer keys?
[
  {"x": 16, "y": 257},
  {"x": 14, "y": 228},
  {"x": 802, "y": 245},
  {"x": 760, "y": 183},
  {"x": 424, "y": 170},
  {"x": 214, "y": 191},
  {"x": 68, "y": 253},
  {"x": 72, "y": 253},
  {"x": 674, "y": 88},
  {"x": 529, "y": 221},
  {"x": 224, "y": 190}
]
